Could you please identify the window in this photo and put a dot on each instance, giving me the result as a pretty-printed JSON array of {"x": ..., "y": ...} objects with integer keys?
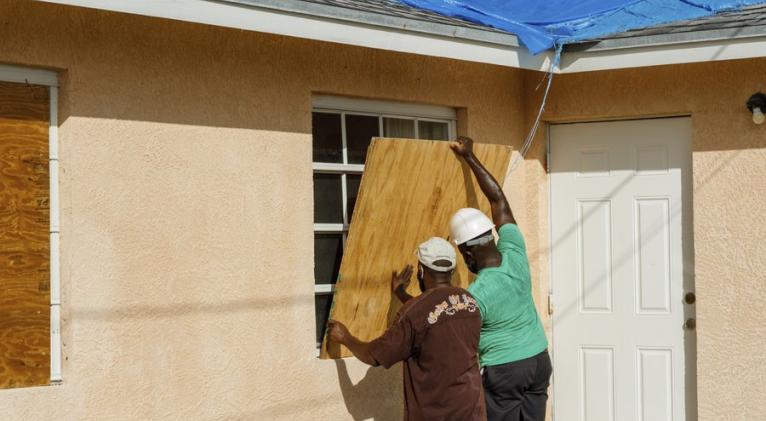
[
  {"x": 342, "y": 129},
  {"x": 29, "y": 283}
]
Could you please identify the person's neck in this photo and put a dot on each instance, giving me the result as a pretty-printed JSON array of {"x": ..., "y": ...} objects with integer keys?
[
  {"x": 437, "y": 285},
  {"x": 493, "y": 259}
]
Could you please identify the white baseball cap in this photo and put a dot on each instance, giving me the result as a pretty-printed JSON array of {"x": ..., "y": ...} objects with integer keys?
[{"x": 436, "y": 249}]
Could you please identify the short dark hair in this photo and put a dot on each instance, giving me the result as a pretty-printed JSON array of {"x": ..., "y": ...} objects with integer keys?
[{"x": 443, "y": 263}]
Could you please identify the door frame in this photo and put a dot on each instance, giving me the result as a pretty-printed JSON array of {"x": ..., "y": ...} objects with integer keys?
[{"x": 687, "y": 239}]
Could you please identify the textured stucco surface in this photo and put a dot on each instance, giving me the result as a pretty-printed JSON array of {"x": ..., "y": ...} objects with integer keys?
[
  {"x": 728, "y": 191},
  {"x": 187, "y": 224},
  {"x": 187, "y": 242}
]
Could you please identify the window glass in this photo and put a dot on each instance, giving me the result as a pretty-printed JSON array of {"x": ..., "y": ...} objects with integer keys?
[
  {"x": 328, "y": 249},
  {"x": 398, "y": 127},
  {"x": 360, "y": 129},
  {"x": 433, "y": 130},
  {"x": 322, "y": 304},
  {"x": 327, "y": 137},
  {"x": 352, "y": 189},
  {"x": 328, "y": 201}
]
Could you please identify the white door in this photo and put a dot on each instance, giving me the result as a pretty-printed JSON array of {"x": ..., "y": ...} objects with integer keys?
[{"x": 621, "y": 266}]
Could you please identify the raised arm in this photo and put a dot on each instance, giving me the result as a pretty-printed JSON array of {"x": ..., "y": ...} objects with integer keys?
[
  {"x": 501, "y": 210},
  {"x": 338, "y": 332}
]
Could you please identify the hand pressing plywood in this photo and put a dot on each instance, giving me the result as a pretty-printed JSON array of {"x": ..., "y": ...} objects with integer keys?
[{"x": 409, "y": 190}]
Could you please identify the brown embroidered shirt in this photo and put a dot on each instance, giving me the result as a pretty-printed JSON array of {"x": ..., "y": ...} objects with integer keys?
[{"x": 436, "y": 335}]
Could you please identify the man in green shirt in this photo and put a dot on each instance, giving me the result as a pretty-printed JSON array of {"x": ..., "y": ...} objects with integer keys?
[{"x": 512, "y": 347}]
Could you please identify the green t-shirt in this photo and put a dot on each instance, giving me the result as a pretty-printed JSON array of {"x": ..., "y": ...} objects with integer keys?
[{"x": 511, "y": 329}]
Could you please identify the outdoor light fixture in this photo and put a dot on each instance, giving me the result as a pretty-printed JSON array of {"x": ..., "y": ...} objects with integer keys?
[{"x": 757, "y": 105}]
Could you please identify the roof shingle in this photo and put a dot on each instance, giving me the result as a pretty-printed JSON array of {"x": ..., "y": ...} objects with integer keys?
[
  {"x": 747, "y": 17},
  {"x": 395, "y": 8}
]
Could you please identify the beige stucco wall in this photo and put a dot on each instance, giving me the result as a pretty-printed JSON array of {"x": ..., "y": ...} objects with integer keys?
[
  {"x": 187, "y": 265},
  {"x": 187, "y": 224},
  {"x": 729, "y": 204}
]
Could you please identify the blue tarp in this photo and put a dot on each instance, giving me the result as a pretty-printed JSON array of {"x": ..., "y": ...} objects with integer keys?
[{"x": 542, "y": 24}]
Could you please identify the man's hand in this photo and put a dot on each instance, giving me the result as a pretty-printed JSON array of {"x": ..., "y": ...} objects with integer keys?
[
  {"x": 463, "y": 146},
  {"x": 337, "y": 332},
  {"x": 501, "y": 210},
  {"x": 400, "y": 281}
]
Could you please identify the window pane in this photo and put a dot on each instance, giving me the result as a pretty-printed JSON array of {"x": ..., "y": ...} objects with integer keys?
[
  {"x": 327, "y": 140},
  {"x": 322, "y": 304},
  {"x": 360, "y": 129},
  {"x": 398, "y": 127},
  {"x": 328, "y": 202},
  {"x": 433, "y": 130},
  {"x": 328, "y": 249},
  {"x": 352, "y": 189}
]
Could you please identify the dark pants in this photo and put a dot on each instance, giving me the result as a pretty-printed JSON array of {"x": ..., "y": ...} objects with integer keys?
[{"x": 518, "y": 391}]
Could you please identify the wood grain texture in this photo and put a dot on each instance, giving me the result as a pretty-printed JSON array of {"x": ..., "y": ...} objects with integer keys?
[
  {"x": 24, "y": 236},
  {"x": 409, "y": 190}
]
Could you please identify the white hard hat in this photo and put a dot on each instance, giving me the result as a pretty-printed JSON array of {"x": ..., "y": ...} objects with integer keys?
[
  {"x": 468, "y": 223},
  {"x": 436, "y": 249}
]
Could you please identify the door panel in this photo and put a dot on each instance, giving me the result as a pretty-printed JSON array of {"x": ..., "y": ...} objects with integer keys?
[
  {"x": 597, "y": 377},
  {"x": 620, "y": 224}
]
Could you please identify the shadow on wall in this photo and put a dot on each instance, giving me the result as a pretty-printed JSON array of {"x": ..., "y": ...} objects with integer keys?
[
  {"x": 378, "y": 396},
  {"x": 182, "y": 309}
]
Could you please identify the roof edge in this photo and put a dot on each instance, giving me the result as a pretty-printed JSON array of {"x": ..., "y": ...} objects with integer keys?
[
  {"x": 336, "y": 25},
  {"x": 723, "y": 34},
  {"x": 385, "y": 32},
  {"x": 316, "y": 10},
  {"x": 666, "y": 53}
]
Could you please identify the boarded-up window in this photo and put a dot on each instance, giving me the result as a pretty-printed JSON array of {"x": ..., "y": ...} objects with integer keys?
[
  {"x": 409, "y": 191},
  {"x": 342, "y": 137},
  {"x": 24, "y": 236}
]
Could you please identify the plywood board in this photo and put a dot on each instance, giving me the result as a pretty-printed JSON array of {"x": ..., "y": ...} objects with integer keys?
[
  {"x": 24, "y": 236},
  {"x": 409, "y": 190}
]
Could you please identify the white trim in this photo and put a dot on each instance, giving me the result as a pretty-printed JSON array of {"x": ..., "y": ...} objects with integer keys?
[
  {"x": 361, "y": 34},
  {"x": 28, "y": 75},
  {"x": 691, "y": 52},
  {"x": 281, "y": 22},
  {"x": 337, "y": 168},
  {"x": 551, "y": 302},
  {"x": 324, "y": 289},
  {"x": 56, "y": 372},
  {"x": 433, "y": 120},
  {"x": 55, "y": 266},
  {"x": 395, "y": 109},
  {"x": 329, "y": 228}
]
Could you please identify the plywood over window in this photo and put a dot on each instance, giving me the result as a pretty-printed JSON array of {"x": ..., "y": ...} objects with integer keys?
[
  {"x": 409, "y": 190},
  {"x": 24, "y": 236}
]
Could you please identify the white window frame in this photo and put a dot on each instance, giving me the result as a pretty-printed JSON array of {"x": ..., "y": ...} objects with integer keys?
[
  {"x": 374, "y": 108},
  {"x": 50, "y": 79}
]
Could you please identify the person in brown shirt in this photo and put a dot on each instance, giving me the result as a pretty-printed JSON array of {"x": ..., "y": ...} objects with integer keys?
[{"x": 436, "y": 335}]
